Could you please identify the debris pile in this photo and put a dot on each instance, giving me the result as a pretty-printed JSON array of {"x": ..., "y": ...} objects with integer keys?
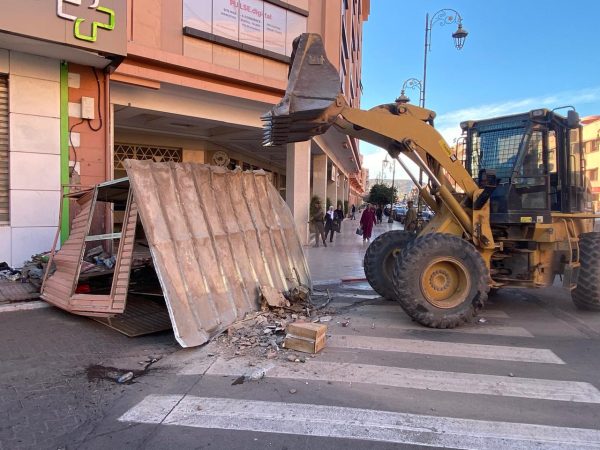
[
  {"x": 25, "y": 283},
  {"x": 262, "y": 334}
]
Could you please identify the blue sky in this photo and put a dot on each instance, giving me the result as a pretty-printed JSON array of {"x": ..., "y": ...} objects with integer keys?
[{"x": 518, "y": 56}]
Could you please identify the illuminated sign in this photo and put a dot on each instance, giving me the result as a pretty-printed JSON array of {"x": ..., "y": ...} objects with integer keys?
[{"x": 60, "y": 11}]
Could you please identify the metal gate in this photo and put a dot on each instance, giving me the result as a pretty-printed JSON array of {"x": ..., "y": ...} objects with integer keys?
[{"x": 145, "y": 152}]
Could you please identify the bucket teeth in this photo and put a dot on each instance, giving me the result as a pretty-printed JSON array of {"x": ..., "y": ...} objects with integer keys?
[{"x": 313, "y": 88}]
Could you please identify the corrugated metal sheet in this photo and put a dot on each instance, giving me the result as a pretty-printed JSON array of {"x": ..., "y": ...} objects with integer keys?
[{"x": 215, "y": 237}]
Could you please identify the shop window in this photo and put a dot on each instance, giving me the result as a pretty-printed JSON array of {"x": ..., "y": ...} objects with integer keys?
[
  {"x": 592, "y": 174},
  {"x": 256, "y": 25},
  {"x": 4, "y": 167}
]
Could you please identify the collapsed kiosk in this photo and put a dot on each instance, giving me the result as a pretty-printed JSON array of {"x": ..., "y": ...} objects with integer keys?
[{"x": 175, "y": 244}]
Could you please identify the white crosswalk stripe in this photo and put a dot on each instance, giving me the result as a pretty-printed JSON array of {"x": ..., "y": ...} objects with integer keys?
[
  {"x": 405, "y": 323},
  {"x": 460, "y": 350},
  {"x": 354, "y": 423},
  {"x": 432, "y": 380}
]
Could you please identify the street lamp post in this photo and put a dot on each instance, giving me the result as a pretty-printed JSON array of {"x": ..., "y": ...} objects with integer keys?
[
  {"x": 443, "y": 17},
  {"x": 391, "y": 219}
]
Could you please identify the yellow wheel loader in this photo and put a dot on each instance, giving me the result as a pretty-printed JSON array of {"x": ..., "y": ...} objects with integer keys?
[{"x": 511, "y": 208}]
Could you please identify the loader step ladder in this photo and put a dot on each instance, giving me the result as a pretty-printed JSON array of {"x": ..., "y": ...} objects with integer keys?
[{"x": 571, "y": 270}]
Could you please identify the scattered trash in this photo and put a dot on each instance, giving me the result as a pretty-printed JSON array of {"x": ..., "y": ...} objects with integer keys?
[
  {"x": 325, "y": 319},
  {"x": 511, "y": 374},
  {"x": 254, "y": 375},
  {"x": 346, "y": 323},
  {"x": 293, "y": 391},
  {"x": 373, "y": 326},
  {"x": 482, "y": 320},
  {"x": 125, "y": 378}
]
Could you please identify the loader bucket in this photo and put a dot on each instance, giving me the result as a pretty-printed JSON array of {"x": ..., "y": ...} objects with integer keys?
[{"x": 313, "y": 87}]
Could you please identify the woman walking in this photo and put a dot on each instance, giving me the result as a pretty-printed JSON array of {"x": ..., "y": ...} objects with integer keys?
[{"x": 367, "y": 221}]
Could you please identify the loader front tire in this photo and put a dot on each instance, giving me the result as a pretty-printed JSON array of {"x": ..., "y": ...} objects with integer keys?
[
  {"x": 380, "y": 260},
  {"x": 586, "y": 295},
  {"x": 440, "y": 280}
]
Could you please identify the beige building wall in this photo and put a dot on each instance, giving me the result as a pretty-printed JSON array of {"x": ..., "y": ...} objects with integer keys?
[
  {"x": 171, "y": 69},
  {"x": 34, "y": 155},
  {"x": 591, "y": 143}
]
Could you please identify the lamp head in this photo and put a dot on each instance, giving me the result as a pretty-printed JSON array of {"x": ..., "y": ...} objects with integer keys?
[
  {"x": 403, "y": 98},
  {"x": 459, "y": 36}
]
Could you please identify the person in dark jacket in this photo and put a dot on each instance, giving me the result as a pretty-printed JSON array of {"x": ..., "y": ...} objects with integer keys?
[
  {"x": 353, "y": 211},
  {"x": 339, "y": 217},
  {"x": 330, "y": 223},
  {"x": 379, "y": 214}
]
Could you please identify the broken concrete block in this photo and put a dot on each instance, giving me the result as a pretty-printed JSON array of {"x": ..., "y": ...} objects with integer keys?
[
  {"x": 272, "y": 297},
  {"x": 305, "y": 337}
]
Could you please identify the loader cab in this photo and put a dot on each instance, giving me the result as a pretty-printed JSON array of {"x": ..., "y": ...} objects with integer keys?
[{"x": 537, "y": 162}]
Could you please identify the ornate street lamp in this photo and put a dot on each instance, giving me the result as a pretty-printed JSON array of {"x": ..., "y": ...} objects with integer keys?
[
  {"x": 411, "y": 83},
  {"x": 443, "y": 17}
]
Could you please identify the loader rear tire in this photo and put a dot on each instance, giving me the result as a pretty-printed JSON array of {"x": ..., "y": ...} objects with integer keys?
[
  {"x": 440, "y": 280},
  {"x": 380, "y": 260},
  {"x": 586, "y": 295}
]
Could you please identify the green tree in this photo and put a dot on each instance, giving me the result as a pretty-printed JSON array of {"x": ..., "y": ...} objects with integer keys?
[{"x": 380, "y": 194}]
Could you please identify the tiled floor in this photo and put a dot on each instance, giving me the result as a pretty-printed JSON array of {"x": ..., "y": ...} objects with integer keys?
[{"x": 343, "y": 257}]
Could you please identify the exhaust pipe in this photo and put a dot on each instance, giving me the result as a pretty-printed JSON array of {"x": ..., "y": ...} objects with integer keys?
[{"x": 312, "y": 98}]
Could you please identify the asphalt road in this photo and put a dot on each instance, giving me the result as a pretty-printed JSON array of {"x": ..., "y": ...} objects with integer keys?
[{"x": 526, "y": 375}]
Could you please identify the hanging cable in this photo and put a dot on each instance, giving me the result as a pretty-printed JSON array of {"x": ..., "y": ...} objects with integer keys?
[
  {"x": 89, "y": 122},
  {"x": 72, "y": 146}
]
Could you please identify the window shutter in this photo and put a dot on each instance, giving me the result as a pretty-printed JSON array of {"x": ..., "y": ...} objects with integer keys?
[{"x": 4, "y": 181}]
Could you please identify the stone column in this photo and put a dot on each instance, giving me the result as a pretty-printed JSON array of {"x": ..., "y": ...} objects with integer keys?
[
  {"x": 319, "y": 174},
  {"x": 297, "y": 186},
  {"x": 340, "y": 190},
  {"x": 332, "y": 187}
]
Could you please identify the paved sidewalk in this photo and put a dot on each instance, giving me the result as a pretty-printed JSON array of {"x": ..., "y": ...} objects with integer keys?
[{"x": 343, "y": 258}]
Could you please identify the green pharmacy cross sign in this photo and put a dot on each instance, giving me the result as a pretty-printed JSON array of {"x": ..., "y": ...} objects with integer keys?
[{"x": 78, "y": 21}]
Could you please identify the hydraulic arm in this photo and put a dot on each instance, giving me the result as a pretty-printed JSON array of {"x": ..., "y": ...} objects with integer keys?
[{"x": 313, "y": 103}]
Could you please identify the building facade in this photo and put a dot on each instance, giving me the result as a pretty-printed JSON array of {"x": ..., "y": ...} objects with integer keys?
[
  {"x": 591, "y": 145},
  {"x": 177, "y": 80}
]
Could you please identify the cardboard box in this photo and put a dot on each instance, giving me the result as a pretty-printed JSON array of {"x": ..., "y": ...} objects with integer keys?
[{"x": 305, "y": 337}]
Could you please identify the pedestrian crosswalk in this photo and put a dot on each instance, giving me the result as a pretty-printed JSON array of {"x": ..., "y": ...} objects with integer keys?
[
  {"x": 354, "y": 423},
  {"x": 350, "y": 361}
]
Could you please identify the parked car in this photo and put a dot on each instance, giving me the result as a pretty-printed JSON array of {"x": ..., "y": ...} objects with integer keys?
[
  {"x": 426, "y": 215},
  {"x": 399, "y": 213}
]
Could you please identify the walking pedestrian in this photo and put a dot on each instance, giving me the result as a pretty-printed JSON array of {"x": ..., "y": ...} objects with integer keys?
[
  {"x": 316, "y": 221},
  {"x": 367, "y": 222},
  {"x": 330, "y": 223},
  {"x": 339, "y": 218},
  {"x": 410, "y": 221},
  {"x": 353, "y": 212},
  {"x": 379, "y": 214}
]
